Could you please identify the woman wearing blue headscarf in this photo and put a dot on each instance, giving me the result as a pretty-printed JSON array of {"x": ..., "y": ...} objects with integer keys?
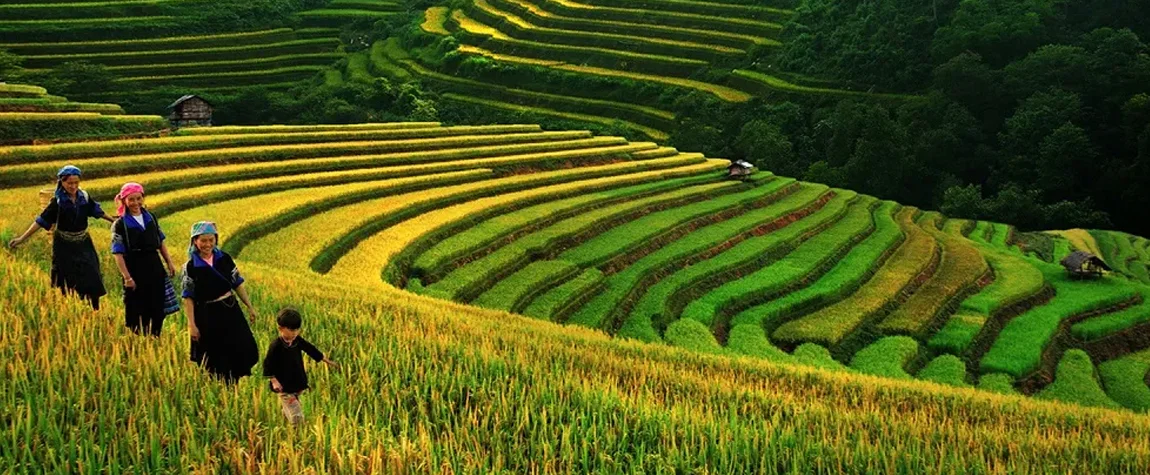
[
  {"x": 75, "y": 265},
  {"x": 222, "y": 340}
]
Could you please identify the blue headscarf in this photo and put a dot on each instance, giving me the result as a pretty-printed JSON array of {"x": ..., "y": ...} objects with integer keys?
[
  {"x": 61, "y": 195},
  {"x": 200, "y": 228}
]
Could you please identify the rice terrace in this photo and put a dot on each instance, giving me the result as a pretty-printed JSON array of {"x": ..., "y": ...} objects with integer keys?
[{"x": 574, "y": 236}]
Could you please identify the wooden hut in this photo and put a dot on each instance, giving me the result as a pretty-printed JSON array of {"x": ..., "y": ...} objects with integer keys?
[
  {"x": 739, "y": 169},
  {"x": 1082, "y": 264},
  {"x": 190, "y": 110}
]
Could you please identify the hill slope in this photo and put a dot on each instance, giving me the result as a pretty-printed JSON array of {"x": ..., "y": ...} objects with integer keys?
[
  {"x": 423, "y": 367},
  {"x": 637, "y": 240},
  {"x": 428, "y": 386}
]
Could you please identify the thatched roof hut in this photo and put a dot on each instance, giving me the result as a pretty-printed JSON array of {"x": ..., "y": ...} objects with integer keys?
[{"x": 1084, "y": 264}]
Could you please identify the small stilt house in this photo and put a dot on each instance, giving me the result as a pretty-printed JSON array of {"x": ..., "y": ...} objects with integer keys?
[
  {"x": 739, "y": 169},
  {"x": 190, "y": 110},
  {"x": 1083, "y": 265}
]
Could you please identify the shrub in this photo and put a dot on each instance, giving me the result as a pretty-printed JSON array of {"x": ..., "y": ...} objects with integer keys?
[
  {"x": 887, "y": 357},
  {"x": 1076, "y": 383},
  {"x": 945, "y": 369}
]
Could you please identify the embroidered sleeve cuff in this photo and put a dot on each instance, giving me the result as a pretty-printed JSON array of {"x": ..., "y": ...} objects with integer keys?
[
  {"x": 43, "y": 224},
  {"x": 237, "y": 279},
  {"x": 118, "y": 248}
]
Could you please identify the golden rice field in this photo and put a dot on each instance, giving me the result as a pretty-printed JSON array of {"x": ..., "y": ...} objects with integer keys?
[
  {"x": 433, "y": 21},
  {"x": 681, "y": 322}
]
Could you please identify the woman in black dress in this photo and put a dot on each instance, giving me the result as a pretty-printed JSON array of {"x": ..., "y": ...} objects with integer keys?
[
  {"x": 138, "y": 244},
  {"x": 75, "y": 265},
  {"x": 222, "y": 341}
]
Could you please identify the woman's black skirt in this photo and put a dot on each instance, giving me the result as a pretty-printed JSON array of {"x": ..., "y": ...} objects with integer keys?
[
  {"x": 226, "y": 346},
  {"x": 75, "y": 265},
  {"x": 144, "y": 305}
]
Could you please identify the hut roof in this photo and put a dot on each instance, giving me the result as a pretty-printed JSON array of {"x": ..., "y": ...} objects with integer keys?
[
  {"x": 1077, "y": 258},
  {"x": 740, "y": 164},
  {"x": 185, "y": 98}
]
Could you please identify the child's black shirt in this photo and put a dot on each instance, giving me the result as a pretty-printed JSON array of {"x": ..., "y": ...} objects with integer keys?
[{"x": 285, "y": 363}]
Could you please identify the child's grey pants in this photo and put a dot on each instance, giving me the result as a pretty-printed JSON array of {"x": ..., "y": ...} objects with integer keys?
[{"x": 292, "y": 409}]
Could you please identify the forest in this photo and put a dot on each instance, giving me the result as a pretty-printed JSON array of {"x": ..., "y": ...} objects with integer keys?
[{"x": 1036, "y": 112}]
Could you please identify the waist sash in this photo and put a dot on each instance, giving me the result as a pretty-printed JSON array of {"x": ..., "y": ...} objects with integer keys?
[{"x": 72, "y": 236}]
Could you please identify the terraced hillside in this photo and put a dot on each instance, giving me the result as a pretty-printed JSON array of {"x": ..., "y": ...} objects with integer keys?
[
  {"x": 28, "y": 112},
  {"x": 141, "y": 44},
  {"x": 665, "y": 49},
  {"x": 678, "y": 46},
  {"x": 1128, "y": 255},
  {"x": 634, "y": 239}
]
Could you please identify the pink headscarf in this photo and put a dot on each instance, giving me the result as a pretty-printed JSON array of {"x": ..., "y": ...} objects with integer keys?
[{"x": 125, "y": 191}]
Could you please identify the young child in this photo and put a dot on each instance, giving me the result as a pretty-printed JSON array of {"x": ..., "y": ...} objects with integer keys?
[{"x": 284, "y": 363}]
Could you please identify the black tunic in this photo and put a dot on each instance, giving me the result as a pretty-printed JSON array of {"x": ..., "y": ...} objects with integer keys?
[
  {"x": 140, "y": 246},
  {"x": 226, "y": 346},
  {"x": 204, "y": 283},
  {"x": 75, "y": 264},
  {"x": 285, "y": 363}
]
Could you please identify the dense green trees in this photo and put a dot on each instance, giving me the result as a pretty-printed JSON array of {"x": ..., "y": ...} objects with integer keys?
[
  {"x": 214, "y": 16},
  {"x": 1036, "y": 112},
  {"x": 997, "y": 30},
  {"x": 347, "y": 103},
  {"x": 886, "y": 44},
  {"x": 73, "y": 78}
]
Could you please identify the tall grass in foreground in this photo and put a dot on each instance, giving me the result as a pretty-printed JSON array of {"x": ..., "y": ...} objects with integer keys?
[{"x": 429, "y": 386}]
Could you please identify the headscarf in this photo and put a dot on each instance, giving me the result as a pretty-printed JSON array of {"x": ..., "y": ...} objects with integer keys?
[
  {"x": 64, "y": 173},
  {"x": 125, "y": 191},
  {"x": 199, "y": 229}
]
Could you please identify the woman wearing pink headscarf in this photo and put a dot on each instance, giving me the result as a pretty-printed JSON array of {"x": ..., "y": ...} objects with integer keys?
[{"x": 138, "y": 244}]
